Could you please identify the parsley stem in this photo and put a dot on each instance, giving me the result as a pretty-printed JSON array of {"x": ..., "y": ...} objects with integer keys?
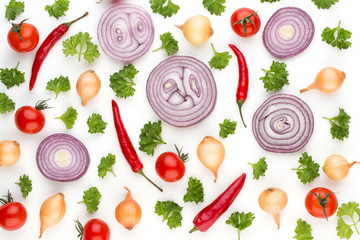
[
  {"x": 238, "y": 234},
  {"x": 352, "y": 219}
]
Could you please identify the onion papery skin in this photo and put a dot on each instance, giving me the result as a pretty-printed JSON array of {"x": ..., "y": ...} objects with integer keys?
[
  {"x": 125, "y": 32},
  {"x": 190, "y": 95},
  {"x": 45, "y": 158},
  {"x": 304, "y": 30},
  {"x": 289, "y": 112}
]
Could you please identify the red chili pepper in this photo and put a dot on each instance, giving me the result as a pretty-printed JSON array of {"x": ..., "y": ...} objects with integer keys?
[
  {"x": 126, "y": 146},
  {"x": 47, "y": 45},
  {"x": 243, "y": 85},
  {"x": 209, "y": 215}
]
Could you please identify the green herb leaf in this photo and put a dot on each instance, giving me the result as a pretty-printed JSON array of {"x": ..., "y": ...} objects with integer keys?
[
  {"x": 270, "y": 1},
  {"x": 227, "y": 127},
  {"x": 215, "y": 6},
  {"x": 340, "y": 41},
  {"x": 122, "y": 82},
  {"x": 69, "y": 117},
  {"x": 57, "y": 85},
  {"x": 259, "y": 168},
  {"x": 303, "y": 231},
  {"x": 276, "y": 77},
  {"x": 195, "y": 191},
  {"x": 171, "y": 213},
  {"x": 340, "y": 125},
  {"x": 58, "y": 9},
  {"x": 308, "y": 169},
  {"x": 106, "y": 165},
  {"x": 11, "y": 77},
  {"x": 13, "y": 9},
  {"x": 150, "y": 137},
  {"x": 6, "y": 104},
  {"x": 168, "y": 43},
  {"x": 80, "y": 44},
  {"x": 91, "y": 199},
  {"x": 324, "y": 4},
  {"x": 25, "y": 185},
  {"x": 219, "y": 60},
  {"x": 240, "y": 221},
  {"x": 349, "y": 209},
  {"x": 157, "y": 6},
  {"x": 96, "y": 124}
]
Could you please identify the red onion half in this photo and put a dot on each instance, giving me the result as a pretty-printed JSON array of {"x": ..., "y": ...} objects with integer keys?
[
  {"x": 288, "y": 32},
  {"x": 63, "y": 158},
  {"x": 125, "y": 32},
  {"x": 181, "y": 90},
  {"x": 283, "y": 124}
]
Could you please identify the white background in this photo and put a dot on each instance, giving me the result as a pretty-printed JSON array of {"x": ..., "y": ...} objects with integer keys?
[{"x": 136, "y": 111}]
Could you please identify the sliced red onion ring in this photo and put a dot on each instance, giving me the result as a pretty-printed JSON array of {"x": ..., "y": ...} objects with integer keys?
[
  {"x": 288, "y": 32},
  {"x": 283, "y": 124},
  {"x": 125, "y": 32},
  {"x": 62, "y": 158},
  {"x": 181, "y": 90}
]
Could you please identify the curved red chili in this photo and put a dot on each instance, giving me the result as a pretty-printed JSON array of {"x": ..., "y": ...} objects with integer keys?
[
  {"x": 46, "y": 46},
  {"x": 126, "y": 146},
  {"x": 243, "y": 85}
]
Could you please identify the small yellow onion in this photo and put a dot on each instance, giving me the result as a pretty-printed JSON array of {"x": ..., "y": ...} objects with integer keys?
[
  {"x": 197, "y": 29},
  {"x": 328, "y": 80},
  {"x": 128, "y": 212},
  {"x": 9, "y": 153},
  {"x": 273, "y": 200},
  {"x": 337, "y": 167},
  {"x": 88, "y": 86},
  {"x": 211, "y": 153},
  {"x": 52, "y": 211}
]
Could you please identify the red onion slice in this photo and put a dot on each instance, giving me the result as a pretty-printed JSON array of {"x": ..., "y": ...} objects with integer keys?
[
  {"x": 125, "y": 32},
  {"x": 288, "y": 32},
  {"x": 62, "y": 158},
  {"x": 283, "y": 124},
  {"x": 181, "y": 90}
]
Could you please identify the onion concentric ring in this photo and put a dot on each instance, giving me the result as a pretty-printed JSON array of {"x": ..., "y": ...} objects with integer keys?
[
  {"x": 283, "y": 124},
  {"x": 181, "y": 90}
]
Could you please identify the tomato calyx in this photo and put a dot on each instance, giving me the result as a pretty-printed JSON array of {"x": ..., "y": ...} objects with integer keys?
[
  {"x": 183, "y": 156},
  {"x": 42, "y": 105},
  {"x": 246, "y": 20},
  {"x": 80, "y": 228},
  {"x": 8, "y": 200},
  {"x": 323, "y": 201},
  {"x": 16, "y": 28}
]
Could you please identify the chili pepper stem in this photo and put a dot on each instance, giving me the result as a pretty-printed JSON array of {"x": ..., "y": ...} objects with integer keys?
[
  {"x": 240, "y": 103},
  {"x": 142, "y": 174},
  {"x": 194, "y": 229},
  {"x": 68, "y": 24}
]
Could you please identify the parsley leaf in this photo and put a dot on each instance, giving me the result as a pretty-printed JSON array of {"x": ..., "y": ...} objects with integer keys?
[
  {"x": 347, "y": 209},
  {"x": 25, "y": 185},
  {"x": 240, "y": 221},
  {"x": 215, "y": 6},
  {"x": 69, "y": 117},
  {"x": 57, "y": 85},
  {"x": 270, "y": 1},
  {"x": 157, "y": 6},
  {"x": 58, "y": 9},
  {"x": 259, "y": 168},
  {"x": 150, "y": 137},
  {"x": 171, "y": 213},
  {"x": 122, "y": 82},
  {"x": 308, "y": 169},
  {"x": 303, "y": 231},
  {"x": 227, "y": 127},
  {"x": 81, "y": 44},
  {"x": 11, "y": 77},
  {"x": 96, "y": 124},
  {"x": 195, "y": 191},
  {"x": 342, "y": 35},
  {"x": 340, "y": 125},
  {"x": 106, "y": 165},
  {"x": 324, "y": 4},
  {"x": 219, "y": 60},
  {"x": 168, "y": 43},
  {"x": 276, "y": 77},
  {"x": 14, "y": 9},
  {"x": 6, "y": 104},
  {"x": 91, "y": 199}
]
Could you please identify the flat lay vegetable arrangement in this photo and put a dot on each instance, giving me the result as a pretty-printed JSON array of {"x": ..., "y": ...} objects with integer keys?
[{"x": 148, "y": 87}]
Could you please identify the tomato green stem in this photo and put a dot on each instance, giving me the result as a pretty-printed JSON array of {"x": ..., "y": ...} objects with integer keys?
[
  {"x": 246, "y": 20},
  {"x": 16, "y": 28},
  {"x": 323, "y": 201},
  {"x": 8, "y": 200}
]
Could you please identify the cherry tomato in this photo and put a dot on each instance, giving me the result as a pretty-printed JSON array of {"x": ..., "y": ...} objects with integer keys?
[
  {"x": 31, "y": 120},
  {"x": 170, "y": 166},
  {"x": 29, "y": 37},
  {"x": 248, "y": 18},
  {"x": 13, "y": 215},
  {"x": 96, "y": 229},
  {"x": 321, "y": 202}
]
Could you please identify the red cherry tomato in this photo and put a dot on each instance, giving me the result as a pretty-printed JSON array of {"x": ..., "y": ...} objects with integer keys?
[
  {"x": 29, "y": 35},
  {"x": 320, "y": 201},
  {"x": 96, "y": 229},
  {"x": 248, "y": 18},
  {"x": 170, "y": 167},
  {"x": 13, "y": 216},
  {"x": 31, "y": 120}
]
